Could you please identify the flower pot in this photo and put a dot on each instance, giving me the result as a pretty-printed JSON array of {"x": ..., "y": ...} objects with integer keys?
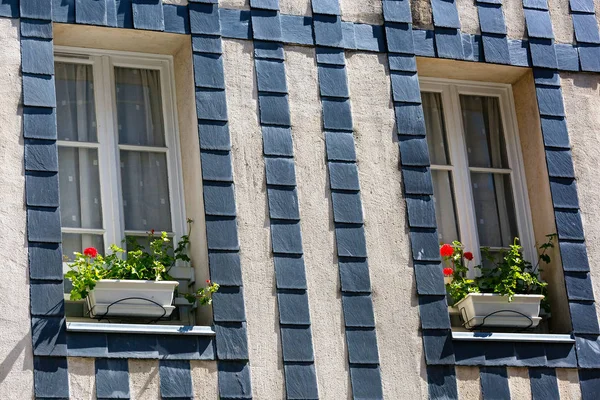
[
  {"x": 494, "y": 310},
  {"x": 131, "y": 298}
]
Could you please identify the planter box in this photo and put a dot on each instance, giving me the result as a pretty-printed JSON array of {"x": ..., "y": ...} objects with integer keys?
[
  {"x": 497, "y": 311},
  {"x": 134, "y": 296}
]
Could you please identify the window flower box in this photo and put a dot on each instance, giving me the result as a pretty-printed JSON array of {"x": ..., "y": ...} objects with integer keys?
[
  {"x": 495, "y": 310},
  {"x": 131, "y": 298}
]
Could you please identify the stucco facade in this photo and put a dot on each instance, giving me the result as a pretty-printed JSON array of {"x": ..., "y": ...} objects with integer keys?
[{"x": 320, "y": 298}]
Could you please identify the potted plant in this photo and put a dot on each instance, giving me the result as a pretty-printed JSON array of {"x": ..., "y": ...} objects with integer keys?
[
  {"x": 133, "y": 283},
  {"x": 508, "y": 293}
]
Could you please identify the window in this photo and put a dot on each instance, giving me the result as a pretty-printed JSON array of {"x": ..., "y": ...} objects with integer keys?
[
  {"x": 476, "y": 166},
  {"x": 119, "y": 167}
]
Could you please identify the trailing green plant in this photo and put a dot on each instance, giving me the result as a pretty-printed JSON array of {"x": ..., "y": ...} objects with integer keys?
[
  {"x": 203, "y": 295},
  {"x": 509, "y": 272}
]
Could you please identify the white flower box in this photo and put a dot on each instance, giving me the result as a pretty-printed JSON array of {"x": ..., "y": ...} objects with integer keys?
[
  {"x": 103, "y": 300},
  {"x": 497, "y": 311}
]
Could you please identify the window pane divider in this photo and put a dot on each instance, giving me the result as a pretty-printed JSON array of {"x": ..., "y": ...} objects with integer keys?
[
  {"x": 69, "y": 143},
  {"x": 146, "y": 149},
  {"x": 491, "y": 170},
  {"x": 443, "y": 167},
  {"x": 83, "y": 231}
]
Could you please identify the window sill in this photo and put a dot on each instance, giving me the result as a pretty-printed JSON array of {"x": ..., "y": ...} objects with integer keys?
[
  {"x": 512, "y": 337},
  {"x": 96, "y": 327}
]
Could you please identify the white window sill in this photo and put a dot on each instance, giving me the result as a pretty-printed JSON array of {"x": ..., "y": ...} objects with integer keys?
[
  {"x": 140, "y": 328},
  {"x": 512, "y": 337}
]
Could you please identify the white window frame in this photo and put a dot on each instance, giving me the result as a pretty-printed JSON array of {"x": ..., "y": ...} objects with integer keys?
[
  {"x": 450, "y": 90},
  {"x": 103, "y": 63}
]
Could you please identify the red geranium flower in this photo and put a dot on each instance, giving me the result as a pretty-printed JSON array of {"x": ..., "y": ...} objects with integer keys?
[
  {"x": 208, "y": 281},
  {"x": 448, "y": 271},
  {"x": 90, "y": 252},
  {"x": 468, "y": 255},
  {"x": 446, "y": 250}
]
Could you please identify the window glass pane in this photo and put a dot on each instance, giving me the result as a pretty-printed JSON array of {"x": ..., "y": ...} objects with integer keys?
[
  {"x": 494, "y": 209},
  {"x": 79, "y": 179},
  {"x": 145, "y": 184},
  {"x": 139, "y": 107},
  {"x": 75, "y": 110},
  {"x": 436, "y": 131},
  {"x": 484, "y": 135},
  {"x": 74, "y": 242},
  {"x": 445, "y": 214}
]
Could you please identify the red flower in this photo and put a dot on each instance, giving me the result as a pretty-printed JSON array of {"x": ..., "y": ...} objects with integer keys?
[
  {"x": 90, "y": 252},
  {"x": 446, "y": 250},
  {"x": 208, "y": 281},
  {"x": 152, "y": 232},
  {"x": 448, "y": 271},
  {"x": 468, "y": 255}
]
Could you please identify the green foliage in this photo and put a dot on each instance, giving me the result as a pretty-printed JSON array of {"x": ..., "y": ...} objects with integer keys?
[
  {"x": 203, "y": 295},
  {"x": 509, "y": 274}
]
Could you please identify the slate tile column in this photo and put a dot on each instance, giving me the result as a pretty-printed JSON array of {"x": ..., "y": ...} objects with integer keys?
[
  {"x": 219, "y": 204},
  {"x": 493, "y": 31},
  {"x": 284, "y": 213},
  {"x": 587, "y": 36},
  {"x": 42, "y": 200},
  {"x": 448, "y": 38}
]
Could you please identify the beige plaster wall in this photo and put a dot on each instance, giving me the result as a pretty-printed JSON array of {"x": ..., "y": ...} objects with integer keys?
[
  {"x": 205, "y": 380},
  {"x": 362, "y": 11},
  {"x": 568, "y": 384},
  {"x": 82, "y": 378},
  {"x": 468, "y": 383},
  {"x": 144, "y": 380},
  {"x": 469, "y": 18},
  {"x": 16, "y": 378}
]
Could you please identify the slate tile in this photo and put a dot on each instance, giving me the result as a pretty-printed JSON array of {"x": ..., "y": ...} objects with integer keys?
[
  {"x": 542, "y": 53},
  {"x": 207, "y": 44},
  {"x": 51, "y": 377},
  {"x": 91, "y": 12},
  {"x": 491, "y": 18},
  {"x": 424, "y": 245},
  {"x": 421, "y": 211},
  {"x": 172, "y": 347},
  {"x": 564, "y": 193},
  {"x": 560, "y": 163},
  {"x": 43, "y": 225},
  {"x": 286, "y": 237},
  {"x": 270, "y": 76},
  {"x": 235, "y": 23},
  {"x": 206, "y": 348},
  {"x": 219, "y": 199},
  {"x": 568, "y": 224},
  {"x": 329, "y": 55},
  {"x": 269, "y": 50},
  {"x": 234, "y": 380},
  {"x": 49, "y": 336},
  {"x": 500, "y": 354},
  {"x": 495, "y": 49},
  {"x": 369, "y": 37},
  {"x": 402, "y": 62},
  {"x": 266, "y": 25},
  {"x": 225, "y": 268},
  {"x": 204, "y": 18},
  {"x": 584, "y": 318},
  {"x": 208, "y": 71},
  {"x": 333, "y": 81},
  {"x": 362, "y": 346},
  {"x": 221, "y": 233},
  {"x": 494, "y": 382},
  {"x": 36, "y": 9},
  {"x": 567, "y": 57},
  {"x": 211, "y": 104},
  {"x": 214, "y": 135},
  {"x": 111, "y": 14},
  {"x": 537, "y": 4},
  {"x": 231, "y": 341},
  {"x": 296, "y": 344},
  {"x": 283, "y": 203},
  {"x": 586, "y": 28},
  {"x": 343, "y": 176},
  {"x": 336, "y": 114},
  {"x": 409, "y": 119},
  {"x": 42, "y": 189},
  {"x": 538, "y": 24},
  {"x": 124, "y": 14},
  {"x": 290, "y": 272},
  {"x": 550, "y": 101},
  {"x": 45, "y": 261},
  {"x": 216, "y": 166},
  {"x": 280, "y": 171},
  {"x": 296, "y": 29},
  {"x": 112, "y": 378},
  {"x": 175, "y": 379},
  {"x": 399, "y": 38},
  {"x": 293, "y": 307},
  {"x": 9, "y": 8},
  {"x": 529, "y": 354},
  {"x": 585, "y": 6},
  {"x": 579, "y": 286},
  {"x": 546, "y": 77},
  {"x": 589, "y": 382},
  {"x": 574, "y": 256},
  {"x": 519, "y": 53},
  {"x": 438, "y": 347},
  {"x": 301, "y": 381},
  {"x": 588, "y": 351},
  {"x": 358, "y": 310},
  {"x": 589, "y": 57},
  {"x": 430, "y": 279},
  {"x": 469, "y": 353},
  {"x": 177, "y": 19},
  {"x": 85, "y": 344},
  {"x": 348, "y": 36},
  {"x": 148, "y": 14},
  {"x": 441, "y": 382},
  {"x": 366, "y": 381},
  {"x": 445, "y": 14},
  {"x": 467, "y": 43},
  {"x": 38, "y": 90},
  {"x": 433, "y": 311},
  {"x": 423, "y": 42},
  {"x": 397, "y": 11},
  {"x": 35, "y": 28},
  {"x": 354, "y": 275},
  {"x": 405, "y": 87},
  {"x": 205, "y": 1},
  {"x": 274, "y": 109},
  {"x": 277, "y": 141},
  {"x": 347, "y": 207},
  {"x": 350, "y": 240},
  {"x": 448, "y": 43},
  {"x": 132, "y": 346},
  {"x": 228, "y": 305},
  {"x": 37, "y": 56},
  {"x": 41, "y": 155},
  {"x": 554, "y": 130},
  {"x": 417, "y": 180},
  {"x": 328, "y": 7},
  {"x": 327, "y": 30},
  {"x": 413, "y": 151},
  {"x": 340, "y": 146},
  {"x": 265, "y": 4}
]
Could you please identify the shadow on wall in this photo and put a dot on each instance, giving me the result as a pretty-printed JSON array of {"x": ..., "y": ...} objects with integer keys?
[{"x": 11, "y": 358}]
